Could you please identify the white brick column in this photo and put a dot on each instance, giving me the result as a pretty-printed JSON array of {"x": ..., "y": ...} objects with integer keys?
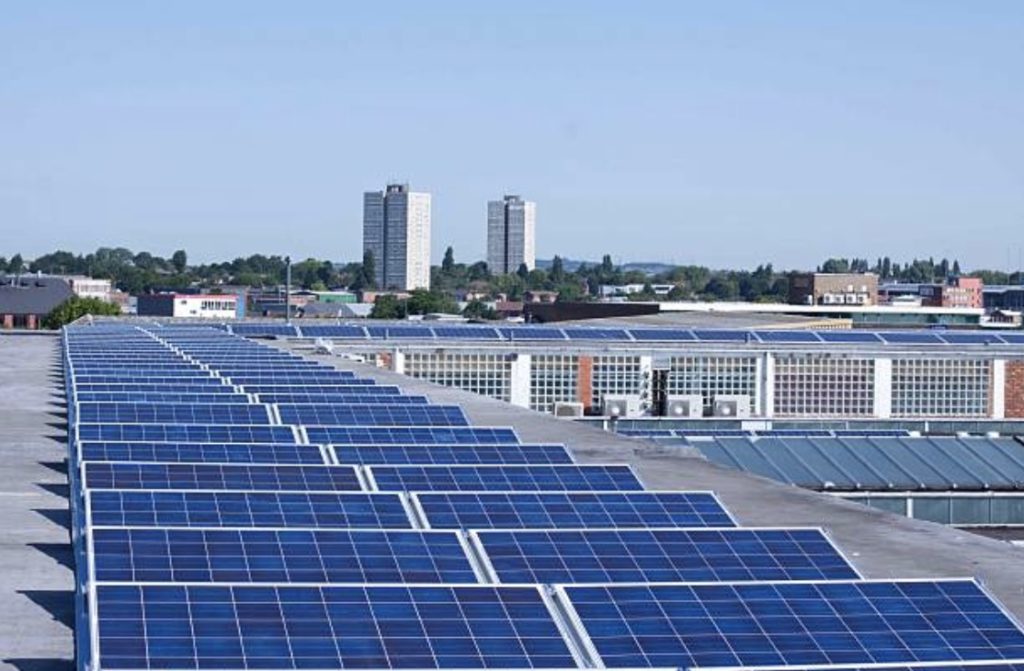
[
  {"x": 519, "y": 383},
  {"x": 883, "y": 388},
  {"x": 998, "y": 402},
  {"x": 765, "y": 392},
  {"x": 398, "y": 361}
]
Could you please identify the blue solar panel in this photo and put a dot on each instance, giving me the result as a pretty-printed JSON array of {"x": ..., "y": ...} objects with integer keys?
[
  {"x": 1012, "y": 338},
  {"x": 157, "y": 397},
  {"x": 224, "y": 453},
  {"x": 512, "y": 478},
  {"x": 383, "y": 435},
  {"x": 375, "y": 627},
  {"x": 333, "y": 331},
  {"x": 530, "y": 333},
  {"x": 163, "y": 413},
  {"x": 662, "y": 334},
  {"x": 716, "y": 335},
  {"x": 373, "y": 415},
  {"x": 595, "y": 334},
  {"x": 112, "y": 475},
  {"x": 257, "y": 330},
  {"x": 283, "y": 556},
  {"x": 788, "y": 336},
  {"x": 466, "y": 332},
  {"x": 910, "y": 338},
  {"x": 247, "y": 509},
  {"x": 571, "y": 510},
  {"x": 306, "y": 380},
  {"x": 843, "y": 336},
  {"x": 970, "y": 338},
  {"x": 204, "y": 386},
  {"x": 385, "y": 332},
  {"x": 764, "y": 624},
  {"x": 452, "y": 454},
  {"x": 661, "y": 555},
  {"x": 344, "y": 399},
  {"x": 350, "y": 386},
  {"x": 185, "y": 433}
]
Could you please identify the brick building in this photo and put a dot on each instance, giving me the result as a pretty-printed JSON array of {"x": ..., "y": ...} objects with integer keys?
[{"x": 833, "y": 289}]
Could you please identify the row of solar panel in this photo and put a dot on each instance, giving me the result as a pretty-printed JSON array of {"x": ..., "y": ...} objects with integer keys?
[
  {"x": 367, "y": 414},
  {"x": 415, "y": 556},
  {"x": 326, "y": 478},
  {"x": 521, "y": 333},
  {"x": 335, "y": 435}
]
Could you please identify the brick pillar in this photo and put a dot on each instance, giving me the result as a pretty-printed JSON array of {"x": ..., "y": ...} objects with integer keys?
[
  {"x": 31, "y": 323},
  {"x": 1014, "y": 390},
  {"x": 585, "y": 381},
  {"x": 8, "y": 321}
]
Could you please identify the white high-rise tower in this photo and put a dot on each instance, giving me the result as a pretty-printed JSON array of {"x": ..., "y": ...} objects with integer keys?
[{"x": 396, "y": 229}]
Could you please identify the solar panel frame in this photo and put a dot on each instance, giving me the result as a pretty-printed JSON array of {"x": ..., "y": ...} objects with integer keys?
[
  {"x": 220, "y": 477},
  {"x": 674, "y": 554},
  {"x": 281, "y": 555},
  {"x": 185, "y": 433},
  {"x": 514, "y": 477},
  {"x": 222, "y": 453},
  {"x": 184, "y": 509},
  {"x": 169, "y": 413},
  {"x": 372, "y": 415},
  {"x": 552, "y": 510},
  {"x": 450, "y": 454},
  {"x": 388, "y": 435}
]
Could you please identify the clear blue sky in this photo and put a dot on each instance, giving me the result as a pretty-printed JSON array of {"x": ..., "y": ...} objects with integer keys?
[{"x": 722, "y": 133}]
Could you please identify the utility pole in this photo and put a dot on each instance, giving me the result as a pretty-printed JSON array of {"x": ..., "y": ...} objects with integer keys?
[{"x": 288, "y": 290}]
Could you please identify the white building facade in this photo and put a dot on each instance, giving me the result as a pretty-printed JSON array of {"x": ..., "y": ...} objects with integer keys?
[
  {"x": 511, "y": 224},
  {"x": 396, "y": 230}
]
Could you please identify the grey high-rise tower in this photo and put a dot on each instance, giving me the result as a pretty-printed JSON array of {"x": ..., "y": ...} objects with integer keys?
[
  {"x": 396, "y": 229},
  {"x": 510, "y": 234}
]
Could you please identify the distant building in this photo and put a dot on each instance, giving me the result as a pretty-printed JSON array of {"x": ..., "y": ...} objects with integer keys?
[
  {"x": 396, "y": 230},
  {"x": 833, "y": 289},
  {"x": 26, "y": 299},
  {"x": 510, "y": 235},
  {"x": 196, "y": 306},
  {"x": 89, "y": 287},
  {"x": 622, "y": 290},
  {"x": 1003, "y": 297},
  {"x": 956, "y": 292}
]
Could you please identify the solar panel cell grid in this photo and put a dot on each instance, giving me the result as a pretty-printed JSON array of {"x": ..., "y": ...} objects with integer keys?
[
  {"x": 225, "y": 453},
  {"x": 470, "y": 435},
  {"x": 590, "y": 477},
  {"x": 154, "y": 413},
  {"x": 185, "y": 433},
  {"x": 385, "y": 627},
  {"x": 247, "y": 509},
  {"x": 372, "y": 415},
  {"x": 452, "y": 454},
  {"x": 570, "y": 510},
  {"x": 284, "y": 556},
  {"x": 661, "y": 555},
  {"x": 764, "y": 624},
  {"x": 107, "y": 475}
]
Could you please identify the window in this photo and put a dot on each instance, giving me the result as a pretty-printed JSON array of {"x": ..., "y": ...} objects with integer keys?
[
  {"x": 553, "y": 379},
  {"x": 824, "y": 386},
  {"x": 712, "y": 376},
  {"x": 940, "y": 387},
  {"x": 616, "y": 376},
  {"x": 484, "y": 374}
]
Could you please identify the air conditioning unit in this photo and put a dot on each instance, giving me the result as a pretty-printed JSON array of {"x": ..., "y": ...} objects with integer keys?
[
  {"x": 731, "y": 406},
  {"x": 568, "y": 410},
  {"x": 689, "y": 406},
  {"x": 620, "y": 406}
]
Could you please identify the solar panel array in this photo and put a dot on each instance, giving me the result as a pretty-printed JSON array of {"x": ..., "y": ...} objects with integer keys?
[
  {"x": 239, "y": 507},
  {"x": 527, "y": 333}
]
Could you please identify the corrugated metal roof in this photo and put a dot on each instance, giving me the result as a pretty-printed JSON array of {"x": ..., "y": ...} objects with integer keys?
[{"x": 876, "y": 463}]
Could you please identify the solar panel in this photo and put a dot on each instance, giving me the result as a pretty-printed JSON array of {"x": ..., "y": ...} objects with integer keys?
[
  {"x": 333, "y": 332},
  {"x": 203, "y": 385},
  {"x": 385, "y": 332},
  {"x": 719, "y": 335},
  {"x": 157, "y": 397},
  {"x": 349, "y": 386},
  {"x": 279, "y": 555},
  {"x": 581, "y": 333},
  {"x": 844, "y": 336},
  {"x": 788, "y": 336},
  {"x": 327, "y": 627},
  {"x": 970, "y": 338},
  {"x": 185, "y": 433},
  {"x": 224, "y": 453},
  {"x": 341, "y": 510},
  {"x": 570, "y": 510},
  {"x": 257, "y": 330},
  {"x": 530, "y": 333},
  {"x": 384, "y": 435},
  {"x": 373, "y": 415},
  {"x": 569, "y": 477},
  {"x": 466, "y": 332},
  {"x": 661, "y": 555},
  {"x": 1012, "y": 338},
  {"x": 163, "y": 413},
  {"x": 344, "y": 399},
  {"x": 111, "y": 475},
  {"x": 763, "y": 624},
  {"x": 909, "y": 338},
  {"x": 452, "y": 454},
  {"x": 662, "y": 334}
]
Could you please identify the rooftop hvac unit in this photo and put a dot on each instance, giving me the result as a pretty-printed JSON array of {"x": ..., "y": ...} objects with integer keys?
[
  {"x": 731, "y": 406},
  {"x": 620, "y": 406},
  {"x": 323, "y": 346},
  {"x": 568, "y": 410},
  {"x": 690, "y": 406}
]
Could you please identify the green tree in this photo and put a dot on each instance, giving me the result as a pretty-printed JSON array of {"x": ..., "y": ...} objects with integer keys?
[
  {"x": 369, "y": 276},
  {"x": 179, "y": 259},
  {"x": 387, "y": 306},
  {"x": 423, "y": 302},
  {"x": 557, "y": 272},
  {"x": 523, "y": 272},
  {"x": 448, "y": 264},
  {"x": 16, "y": 264},
  {"x": 479, "y": 310},
  {"x": 76, "y": 308}
]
